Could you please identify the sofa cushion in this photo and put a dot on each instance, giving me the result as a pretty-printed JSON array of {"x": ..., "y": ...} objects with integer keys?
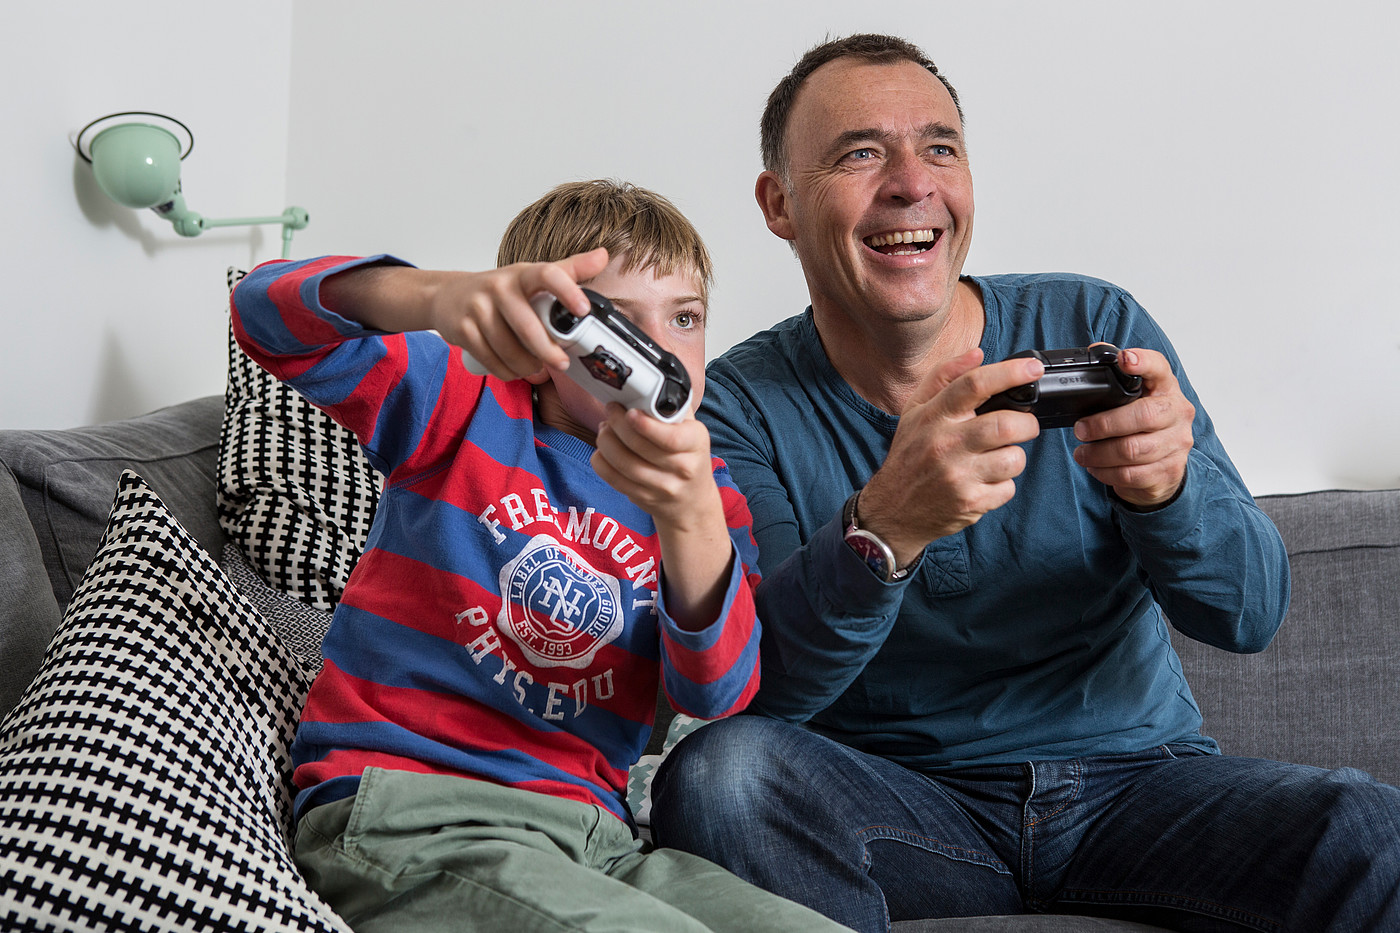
[
  {"x": 1324, "y": 692},
  {"x": 295, "y": 491},
  {"x": 144, "y": 776}
]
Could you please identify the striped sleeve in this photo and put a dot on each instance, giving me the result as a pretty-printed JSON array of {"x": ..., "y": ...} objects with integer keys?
[
  {"x": 714, "y": 672},
  {"x": 378, "y": 385}
]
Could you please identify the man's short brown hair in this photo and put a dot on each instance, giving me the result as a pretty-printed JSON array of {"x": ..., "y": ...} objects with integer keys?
[
  {"x": 630, "y": 221},
  {"x": 868, "y": 47}
]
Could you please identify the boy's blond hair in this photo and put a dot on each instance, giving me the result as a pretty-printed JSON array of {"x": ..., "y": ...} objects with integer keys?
[{"x": 630, "y": 221}]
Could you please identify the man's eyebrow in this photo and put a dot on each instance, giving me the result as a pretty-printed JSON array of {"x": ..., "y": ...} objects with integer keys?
[{"x": 930, "y": 131}]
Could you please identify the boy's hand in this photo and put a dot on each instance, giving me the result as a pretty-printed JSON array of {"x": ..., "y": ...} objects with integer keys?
[
  {"x": 663, "y": 468},
  {"x": 666, "y": 470},
  {"x": 489, "y": 315}
]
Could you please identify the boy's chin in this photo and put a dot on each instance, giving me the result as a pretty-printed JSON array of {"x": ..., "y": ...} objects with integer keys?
[{"x": 566, "y": 406}]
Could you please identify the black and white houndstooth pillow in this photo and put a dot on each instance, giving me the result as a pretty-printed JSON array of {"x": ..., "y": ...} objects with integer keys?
[
  {"x": 144, "y": 776},
  {"x": 295, "y": 490}
]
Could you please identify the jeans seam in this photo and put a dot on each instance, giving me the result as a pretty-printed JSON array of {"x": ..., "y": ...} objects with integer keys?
[
  {"x": 1029, "y": 826},
  {"x": 929, "y": 844},
  {"x": 1163, "y": 899}
]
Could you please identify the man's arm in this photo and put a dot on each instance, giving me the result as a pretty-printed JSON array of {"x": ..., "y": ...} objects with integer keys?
[
  {"x": 825, "y": 613},
  {"x": 1212, "y": 559}
]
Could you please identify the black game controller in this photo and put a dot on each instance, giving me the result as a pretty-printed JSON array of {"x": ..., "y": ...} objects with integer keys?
[{"x": 1079, "y": 381}]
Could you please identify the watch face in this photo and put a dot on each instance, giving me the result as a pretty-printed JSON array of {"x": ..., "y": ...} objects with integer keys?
[{"x": 874, "y": 552}]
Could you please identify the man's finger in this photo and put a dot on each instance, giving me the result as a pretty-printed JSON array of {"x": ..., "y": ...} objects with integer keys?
[{"x": 944, "y": 374}]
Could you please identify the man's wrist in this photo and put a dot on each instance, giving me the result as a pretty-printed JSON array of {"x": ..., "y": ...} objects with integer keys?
[
  {"x": 870, "y": 547},
  {"x": 1151, "y": 507}
]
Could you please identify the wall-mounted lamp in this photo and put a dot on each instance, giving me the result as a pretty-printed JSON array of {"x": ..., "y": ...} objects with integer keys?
[{"x": 136, "y": 157}]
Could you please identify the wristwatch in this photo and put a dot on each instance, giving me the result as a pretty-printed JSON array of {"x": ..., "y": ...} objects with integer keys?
[{"x": 870, "y": 547}]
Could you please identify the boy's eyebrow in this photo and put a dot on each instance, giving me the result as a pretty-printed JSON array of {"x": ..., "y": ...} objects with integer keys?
[{"x": 677, "y": 301}]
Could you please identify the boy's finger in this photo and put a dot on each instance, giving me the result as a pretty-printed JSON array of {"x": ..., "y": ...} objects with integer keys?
[
  {"x": 561, "y": 278},
  {"x": 529, "y": 334}
]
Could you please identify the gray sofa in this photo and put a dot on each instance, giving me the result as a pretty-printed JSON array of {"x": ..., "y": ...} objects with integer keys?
[{"x": 1324, "y": 693}]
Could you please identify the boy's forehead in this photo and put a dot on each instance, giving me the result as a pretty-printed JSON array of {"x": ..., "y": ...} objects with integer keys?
[{"x": 683, "y": 277}]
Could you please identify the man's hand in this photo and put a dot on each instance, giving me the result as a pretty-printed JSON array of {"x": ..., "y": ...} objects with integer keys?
[
  {"x": 947, "y": 465},
  {"x": 666, "y": 470},
  {"x": 1140, "y": 449}
]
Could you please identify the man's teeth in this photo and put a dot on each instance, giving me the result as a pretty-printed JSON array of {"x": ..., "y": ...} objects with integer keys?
[{"x": 901, "y": 236}]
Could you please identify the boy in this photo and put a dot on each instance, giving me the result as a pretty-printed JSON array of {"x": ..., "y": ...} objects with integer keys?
[{"x": 536, "y": 562}]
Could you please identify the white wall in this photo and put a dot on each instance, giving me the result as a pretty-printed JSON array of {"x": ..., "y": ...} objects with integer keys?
[
  {"x": 1233, "y": 164},
  {"x": 107, "y": 312}
]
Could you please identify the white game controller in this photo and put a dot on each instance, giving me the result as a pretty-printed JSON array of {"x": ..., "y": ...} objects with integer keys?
[{"x": 615, "y": 361}]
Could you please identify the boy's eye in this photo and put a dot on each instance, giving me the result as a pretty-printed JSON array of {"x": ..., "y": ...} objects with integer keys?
[{"x": 687, "y": 320}]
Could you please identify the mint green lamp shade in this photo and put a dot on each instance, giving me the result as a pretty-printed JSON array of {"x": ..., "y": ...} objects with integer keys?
[{"x": 136, "y": 164}]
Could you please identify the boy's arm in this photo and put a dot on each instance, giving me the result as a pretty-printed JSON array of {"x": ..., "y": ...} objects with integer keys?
[
  {"x": 710, "y": 629},
  {"x": 486, "y": 313}
]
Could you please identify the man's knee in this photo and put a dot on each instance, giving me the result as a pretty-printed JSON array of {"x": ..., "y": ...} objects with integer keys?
[
  {"x": 1355, "y": 807},
  {"x": 734, "y": 770}
]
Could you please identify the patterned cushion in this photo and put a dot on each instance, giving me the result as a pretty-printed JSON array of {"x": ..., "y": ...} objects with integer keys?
[
  {"x": 300, "y": 627},
  {"x": 295, "y": 491},
  {"x": 640, "y": 776},
  {"x": 144, "y": 775}
]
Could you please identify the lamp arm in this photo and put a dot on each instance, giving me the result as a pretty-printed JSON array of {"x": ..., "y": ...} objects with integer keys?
[{"x": 293, "y": 218}]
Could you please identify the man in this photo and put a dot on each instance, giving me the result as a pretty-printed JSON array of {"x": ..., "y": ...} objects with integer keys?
[{"x": 970, "y": 702}]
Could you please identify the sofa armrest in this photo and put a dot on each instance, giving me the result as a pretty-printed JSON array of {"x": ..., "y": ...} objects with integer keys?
[{"x": 28, "y": 613}]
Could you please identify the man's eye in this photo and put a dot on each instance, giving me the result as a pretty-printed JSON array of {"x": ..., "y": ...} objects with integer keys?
[
  {"x": 860, "y": 155},
  {"x": 941, "y": 151}
]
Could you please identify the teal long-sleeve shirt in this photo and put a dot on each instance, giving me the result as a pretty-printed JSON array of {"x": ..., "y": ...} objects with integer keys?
[{"x": 1038, "y": 632}]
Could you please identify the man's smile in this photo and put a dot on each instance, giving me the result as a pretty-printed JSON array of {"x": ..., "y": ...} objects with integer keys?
[{"x": 903, "y": 242}]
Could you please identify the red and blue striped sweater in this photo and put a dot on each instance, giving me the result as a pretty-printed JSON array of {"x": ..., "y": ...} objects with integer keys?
[{"x": 505, "y": 621}]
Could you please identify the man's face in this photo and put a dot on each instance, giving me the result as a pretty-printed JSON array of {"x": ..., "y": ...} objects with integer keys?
[
  {"x": 879, "y": 205},
  {"x": 670, "y": 308}
]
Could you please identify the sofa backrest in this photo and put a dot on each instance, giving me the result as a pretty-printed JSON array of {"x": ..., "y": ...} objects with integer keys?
[
  {"x": 1326, "y": 692},
  {"x": 56, "y": 490}
]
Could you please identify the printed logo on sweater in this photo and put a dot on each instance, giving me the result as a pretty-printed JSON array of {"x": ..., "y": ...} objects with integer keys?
[{"x": 556, "y": 606}]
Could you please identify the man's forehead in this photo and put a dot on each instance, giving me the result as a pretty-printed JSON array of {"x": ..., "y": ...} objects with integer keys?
[{"x": 851, "y": 94}]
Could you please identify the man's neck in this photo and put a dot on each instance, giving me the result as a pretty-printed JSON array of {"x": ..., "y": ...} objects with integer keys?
[{"x": 885, "y": 363}]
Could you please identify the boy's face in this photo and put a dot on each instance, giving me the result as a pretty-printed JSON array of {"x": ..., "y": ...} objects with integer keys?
[{"x": 669, "y": 308}]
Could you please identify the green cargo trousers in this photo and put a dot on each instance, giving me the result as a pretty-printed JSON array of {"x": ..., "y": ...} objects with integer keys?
[{"x": 423, "y": 852}]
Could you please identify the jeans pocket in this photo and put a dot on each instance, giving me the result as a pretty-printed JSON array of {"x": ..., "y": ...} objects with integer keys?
[{"x": 1178, "y": 750}]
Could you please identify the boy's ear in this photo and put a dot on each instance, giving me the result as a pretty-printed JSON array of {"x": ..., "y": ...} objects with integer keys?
[{"x": 772, "y": 197}]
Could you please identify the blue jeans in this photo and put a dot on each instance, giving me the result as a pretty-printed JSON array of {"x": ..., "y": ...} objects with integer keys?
[{"x": 1170, "y": 836}]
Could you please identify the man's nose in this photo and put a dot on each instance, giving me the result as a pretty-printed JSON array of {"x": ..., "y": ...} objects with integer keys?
[{"x": 907, "y": 177}]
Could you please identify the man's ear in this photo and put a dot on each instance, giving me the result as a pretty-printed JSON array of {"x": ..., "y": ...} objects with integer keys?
[{"x": 773, "y": 200}]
